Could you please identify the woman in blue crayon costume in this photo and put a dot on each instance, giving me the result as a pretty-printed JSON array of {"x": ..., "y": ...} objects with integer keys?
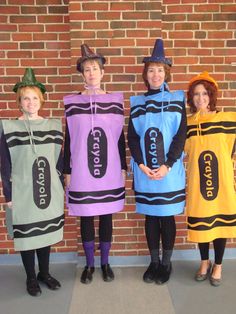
[{"x": 156, "y": 137}]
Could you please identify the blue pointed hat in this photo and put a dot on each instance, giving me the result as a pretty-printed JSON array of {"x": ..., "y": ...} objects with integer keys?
[{"x": 158, "y": 54}]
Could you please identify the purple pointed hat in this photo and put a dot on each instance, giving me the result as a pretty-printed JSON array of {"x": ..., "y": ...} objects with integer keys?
[
  {"x": 88, "y": 54},
  {"x": 158, "y": 54}
]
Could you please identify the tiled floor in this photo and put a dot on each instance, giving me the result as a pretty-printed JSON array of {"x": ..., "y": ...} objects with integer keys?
[{"x": 128, "y": 294}]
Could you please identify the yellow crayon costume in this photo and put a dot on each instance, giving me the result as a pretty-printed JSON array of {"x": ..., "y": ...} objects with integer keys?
[{"x": 211, "y": 197}]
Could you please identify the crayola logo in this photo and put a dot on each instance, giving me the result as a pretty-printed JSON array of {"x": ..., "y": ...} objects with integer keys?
[
  {"x": 97, "y": 152},
  {"x": 41, "y": 182},
  {"x": 209, "y": 177},
  {"x": 154, "y": 148}
]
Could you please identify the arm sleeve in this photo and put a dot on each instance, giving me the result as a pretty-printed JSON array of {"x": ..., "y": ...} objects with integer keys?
[
  {"x": 67, "y": 153},
  {"x": 60, "y": 167},
  {"x": 122, "y": 151},
  {"x": 5, "y": 169},
  {"x": 177, "y": 144},
  {"x": 134, "y": 144}
]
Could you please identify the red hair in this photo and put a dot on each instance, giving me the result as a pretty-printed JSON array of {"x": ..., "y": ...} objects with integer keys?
[{"x": 211, "y": 91}]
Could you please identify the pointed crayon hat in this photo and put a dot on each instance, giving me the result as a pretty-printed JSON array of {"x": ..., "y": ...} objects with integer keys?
[
  {"x": 29, "y": 80},
  {"x": 158, "y": 54},
  {"x": 204, "y": 76},
  {"x": 86, "y": 54}
]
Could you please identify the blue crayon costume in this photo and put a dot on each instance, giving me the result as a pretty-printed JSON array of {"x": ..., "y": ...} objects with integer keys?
[
  {"x": 152, "y": 116},
  {"x": 156, "y": 137}
]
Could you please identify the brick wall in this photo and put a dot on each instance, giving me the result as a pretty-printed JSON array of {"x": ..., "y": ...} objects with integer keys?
[{"x": 47, "y": 34}]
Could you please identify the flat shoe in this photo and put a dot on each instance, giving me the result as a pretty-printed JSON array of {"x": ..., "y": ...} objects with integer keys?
[
  {"x": 87, "y": 275},
  {"x": 202, "y": 277},
  {"x": 107, "y": 273},
  {"x": 49, "y": 281},
  {"x": 33, "y": 287}
]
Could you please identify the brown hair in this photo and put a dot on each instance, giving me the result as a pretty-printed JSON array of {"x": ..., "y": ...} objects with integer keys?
[
  {"x": 91, "y": 60},
  {"x": 166, "y": 69},
  {"x": 211, "y": 91},
  {"x": 21, "y": 91}
]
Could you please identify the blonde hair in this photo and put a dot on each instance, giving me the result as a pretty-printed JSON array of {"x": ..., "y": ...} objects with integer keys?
[{"x": 22, "y": 90}]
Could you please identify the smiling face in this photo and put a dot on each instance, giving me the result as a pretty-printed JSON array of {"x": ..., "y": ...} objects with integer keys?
[
  {"x": 201, "y": 98},
  {"x": 155, "y": 75},
  {"x": 30, "y": 100},
  {"x": 92, "y": 73}
]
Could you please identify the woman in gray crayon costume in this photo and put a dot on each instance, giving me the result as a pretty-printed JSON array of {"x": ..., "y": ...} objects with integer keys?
[{"x": 31, "y": 170}]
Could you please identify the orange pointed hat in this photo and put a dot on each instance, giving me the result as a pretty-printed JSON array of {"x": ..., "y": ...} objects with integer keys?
[
  {"x": 204, "y": 76},
  {"x": 86, "y": 54}
]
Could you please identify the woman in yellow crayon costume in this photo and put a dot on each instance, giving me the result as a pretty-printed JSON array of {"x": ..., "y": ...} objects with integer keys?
[{"x": 211, "y": 200}]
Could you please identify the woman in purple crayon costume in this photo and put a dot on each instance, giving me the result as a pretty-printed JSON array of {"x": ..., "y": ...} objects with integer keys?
[{"x": 95, "y": 160}]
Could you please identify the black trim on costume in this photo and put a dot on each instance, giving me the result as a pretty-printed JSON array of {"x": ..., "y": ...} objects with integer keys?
[
  {"x": 85, "y": 108},
  {"x": 225, "y": 127},
  {"x": 45, "y": 137},
  {"x": 208, "y": 223},
  {"x": 57, "y": 223},
  {"x": 171, "y": 197},
  {"x": 150, "y": 106},
  {"x": 96, "y": 196}
]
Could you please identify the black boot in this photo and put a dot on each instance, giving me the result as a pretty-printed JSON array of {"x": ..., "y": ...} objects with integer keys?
[
  {"x": 87, "y": 275},
  {"x": 33, "y": 287},
  {"x": 107, "y": 273},
  {"x": 151, "y": 273},
  {"x": 163, "y": 274}
]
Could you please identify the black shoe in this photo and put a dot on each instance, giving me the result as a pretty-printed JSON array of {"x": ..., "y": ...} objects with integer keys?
[
  {"x": 33, "y": 287},
  {"x": 107, "y": 273},
  {"x": 163, "y": 274},
  {"x": 151, "y": 273},
  {"x": 49, "y": 281},
  {"x": 87, "y": 275}
]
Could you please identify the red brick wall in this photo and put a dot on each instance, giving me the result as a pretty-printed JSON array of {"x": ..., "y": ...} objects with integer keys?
[{"x": 47, "y": 34}]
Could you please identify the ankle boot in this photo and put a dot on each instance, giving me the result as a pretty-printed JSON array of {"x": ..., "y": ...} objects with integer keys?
[
  {"x": 163, "y": 274},
  {"x": 151, "y": 272}
]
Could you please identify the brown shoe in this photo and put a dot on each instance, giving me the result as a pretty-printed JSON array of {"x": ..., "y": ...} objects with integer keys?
[
  {"x": 202, "y": 277},
  {"x": 215, "y": 282}
]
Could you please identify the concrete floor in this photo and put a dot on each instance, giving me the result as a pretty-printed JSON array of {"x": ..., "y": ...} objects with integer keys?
[{"x": 128, "y": 294}]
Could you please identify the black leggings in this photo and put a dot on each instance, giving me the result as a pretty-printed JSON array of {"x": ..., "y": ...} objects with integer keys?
[
  {"x": 28, "y": 259},
  {"x": 157, "y": 227},
  {"x": 88, "y": 231},
  {"x": 219, "y": 248}
]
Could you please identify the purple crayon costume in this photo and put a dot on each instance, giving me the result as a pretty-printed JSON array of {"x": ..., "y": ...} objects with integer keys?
[{"x": 95, "y": 123}]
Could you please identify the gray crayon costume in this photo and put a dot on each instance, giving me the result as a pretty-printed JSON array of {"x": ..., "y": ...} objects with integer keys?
[{"x": 37, "y": 193}]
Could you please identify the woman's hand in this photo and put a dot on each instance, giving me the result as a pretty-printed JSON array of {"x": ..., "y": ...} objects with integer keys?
[
  {"x": 161, "y": 172},
  {"x": 67, "y": 180},
  {"x": 123, "y": 175},
  {"x": 149, "y": 172},
  {"x": 9, "y": 204}
]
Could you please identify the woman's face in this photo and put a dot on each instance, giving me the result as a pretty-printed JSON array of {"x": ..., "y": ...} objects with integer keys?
[
  {"x": 30, "y": 102},
  {"x": 155, "y": 76},
  {"x": 201, "y": 98},
  {"x": 92, "y": 73}
]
